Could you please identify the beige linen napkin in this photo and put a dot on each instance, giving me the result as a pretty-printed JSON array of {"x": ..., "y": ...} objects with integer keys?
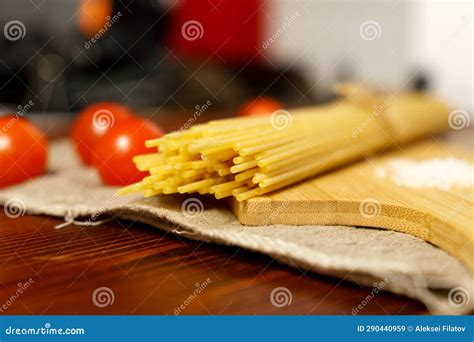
[{"x": 387, "y": 260}]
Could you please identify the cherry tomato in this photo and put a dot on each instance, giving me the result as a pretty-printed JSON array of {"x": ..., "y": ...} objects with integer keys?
[
  {"x": 260, "y": 106},
  {"x": 23, "y": 150},
  {"x": 93, "y": 122},
  {"x": 115, "y": 150}
]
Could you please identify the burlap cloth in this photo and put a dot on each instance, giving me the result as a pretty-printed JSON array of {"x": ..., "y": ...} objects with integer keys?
[{"x": 388, "y": 260}]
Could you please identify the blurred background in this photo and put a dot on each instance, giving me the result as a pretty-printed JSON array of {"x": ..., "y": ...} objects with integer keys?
[{"x": 57, "y": 56}]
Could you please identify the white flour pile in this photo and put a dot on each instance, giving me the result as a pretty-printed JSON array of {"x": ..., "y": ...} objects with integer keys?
[{"x": 440, "y": 173}]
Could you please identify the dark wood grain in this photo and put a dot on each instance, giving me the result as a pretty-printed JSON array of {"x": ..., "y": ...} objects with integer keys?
[{"x": 152, "y": 272}]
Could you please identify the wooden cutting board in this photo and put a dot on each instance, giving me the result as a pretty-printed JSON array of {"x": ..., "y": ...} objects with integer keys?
[{"x": 360, "y": 195}]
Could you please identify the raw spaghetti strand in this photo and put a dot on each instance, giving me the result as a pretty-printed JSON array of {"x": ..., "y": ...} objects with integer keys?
[{"x": 248, "y": 157}]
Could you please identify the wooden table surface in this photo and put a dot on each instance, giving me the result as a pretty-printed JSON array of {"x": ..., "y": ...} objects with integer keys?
[
  {"x": 151, "y": 272},
  {"x": 148, "y": 271}
]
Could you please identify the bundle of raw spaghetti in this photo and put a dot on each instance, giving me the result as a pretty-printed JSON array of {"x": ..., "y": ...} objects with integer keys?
[{"x": 247, "y": 157}]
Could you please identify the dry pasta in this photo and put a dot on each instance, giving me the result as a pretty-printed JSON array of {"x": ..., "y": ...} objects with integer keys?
[{"x": 247, "y": 157}]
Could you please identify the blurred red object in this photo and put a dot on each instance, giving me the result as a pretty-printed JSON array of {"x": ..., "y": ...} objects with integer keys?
[
  {"x": 114, "y": 151},
  {"x": 228, "y": 30},
  {"x": 93, "y": 122},
  {"x": 92, "y": 15},
  {"x": 260, "y": 106},
  {"x": 23, "y": 150}
]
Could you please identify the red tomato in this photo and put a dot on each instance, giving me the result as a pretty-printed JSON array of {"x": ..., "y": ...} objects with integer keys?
[
  {"x": 260, "y": 106},
  {"x": 93, "y": 122},
  {"x": 23, "y": 150},
  {"x": 115, "y": 150}
]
